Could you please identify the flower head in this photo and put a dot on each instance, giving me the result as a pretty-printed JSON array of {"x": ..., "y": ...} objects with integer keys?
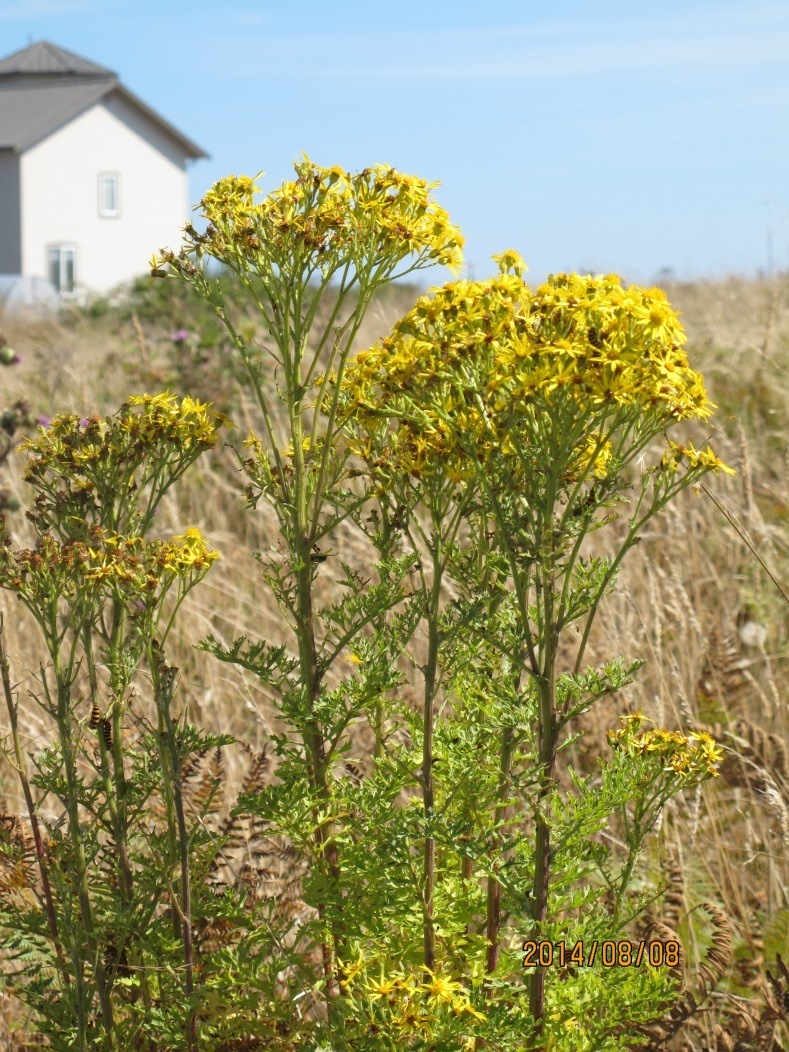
[
  {"x": 323, "y": 219},
  {"x": 477, "y": 366},
  {"x": 93, "y": 470},
  {"x": 511, "y": 262},
  {"x": 695, "y": 458},
  {"x": 440, "y": 989},
  {"x": 188, "y": 552},
  {"x": 691, "y": 756}
]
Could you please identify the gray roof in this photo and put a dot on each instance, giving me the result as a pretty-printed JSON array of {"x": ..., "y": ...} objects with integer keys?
[
  {"x": 46, "y": 58},
  {"x": 44, "y": 87}
]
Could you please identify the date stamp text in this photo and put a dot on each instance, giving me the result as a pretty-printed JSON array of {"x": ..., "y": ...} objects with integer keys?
[{"x": 609, "y": 953}]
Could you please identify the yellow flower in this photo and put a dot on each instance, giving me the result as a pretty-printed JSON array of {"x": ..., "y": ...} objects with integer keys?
[
  {"x": 328, "y": 215},
  {"x": 351, "y": 971},
  {"x": 441, "y": 990},
  {"x": 162, "y": 401},
  {"x": 695, "y": 458},
  {"x": 288, "y": 450},
  {"x": 188, "y": 551},
  {"x": 694, "y": 755},
  {"x": 511, "y": 261},
  {"x": 709, "y": 460},
  {"x": 411, "y": 1021},
  {"x": 386, "y": 987},
  {"x": 707, "y": 748},
  {"x": 578, "y": 343},
  {"x": 461, "y": 1006}
]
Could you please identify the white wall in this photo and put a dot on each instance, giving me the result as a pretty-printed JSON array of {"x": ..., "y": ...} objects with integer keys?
[
  {"x": 10, "y": 249},
  {"x": 60, "y": 195}
]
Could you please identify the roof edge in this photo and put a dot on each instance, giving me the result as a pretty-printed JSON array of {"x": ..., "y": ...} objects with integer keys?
[
  {"x": 192, "y": 150},
  {"x": 51, "y": 59},
  {"x": 40, "y": 135}
]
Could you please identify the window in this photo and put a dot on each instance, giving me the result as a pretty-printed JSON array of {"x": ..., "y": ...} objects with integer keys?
[
  {"x": 61, "y": 268},
  {"x": 109, "y": 202}
]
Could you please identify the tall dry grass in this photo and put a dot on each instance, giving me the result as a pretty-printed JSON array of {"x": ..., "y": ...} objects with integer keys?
[{"x": 697, "y": 599}]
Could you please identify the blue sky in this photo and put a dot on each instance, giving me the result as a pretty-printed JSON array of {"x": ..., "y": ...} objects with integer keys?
[{"x": 624, "y": 136}]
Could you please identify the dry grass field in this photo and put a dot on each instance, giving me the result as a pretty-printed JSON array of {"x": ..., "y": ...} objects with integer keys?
[{"x": 699, "y": 599}]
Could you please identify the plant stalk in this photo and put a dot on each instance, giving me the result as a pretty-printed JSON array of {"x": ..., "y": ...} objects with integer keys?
[
  {"x": 63, "y": 718},
  {"x": 164, "y": 684},
  {"x": 31, "y": 811}
]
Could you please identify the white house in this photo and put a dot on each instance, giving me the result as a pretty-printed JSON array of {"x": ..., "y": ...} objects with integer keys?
[{"x": 92, "y": 181}]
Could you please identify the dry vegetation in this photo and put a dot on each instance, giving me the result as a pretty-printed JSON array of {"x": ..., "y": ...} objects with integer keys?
[{"x": 697, "y": 600}]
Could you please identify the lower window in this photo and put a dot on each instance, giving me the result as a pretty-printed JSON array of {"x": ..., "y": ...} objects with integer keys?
[{"x": 62, "y": 267}]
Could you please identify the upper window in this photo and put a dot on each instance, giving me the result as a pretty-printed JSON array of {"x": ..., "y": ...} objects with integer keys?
[{"x": 109, "y": 200}]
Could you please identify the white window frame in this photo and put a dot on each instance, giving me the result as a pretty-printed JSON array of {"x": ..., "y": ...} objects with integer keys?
[
  {"x": 63, "y": 249},
  {"x": 109, "y": 213}
]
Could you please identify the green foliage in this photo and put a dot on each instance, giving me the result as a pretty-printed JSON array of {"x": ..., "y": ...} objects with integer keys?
[{"x": 342, "y": 903}]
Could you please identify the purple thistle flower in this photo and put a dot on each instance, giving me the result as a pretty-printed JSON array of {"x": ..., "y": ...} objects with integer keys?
[
  {"x": 44, "y": 421},
  {"x": 83, "y": 422},
  {"x": 179, "y": 336}
]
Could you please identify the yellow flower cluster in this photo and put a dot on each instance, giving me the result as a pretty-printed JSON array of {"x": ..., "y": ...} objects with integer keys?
[
  {"x": 693, "y": 755},
  {"x": 79, "y": 568},
  {"x": 70, "y": 446},
  {"x": 495, "y": 355},
  {"x": 186, "y": 552},
  {"x": 447, "y": 330},
  {"x": 288, "y": 450},
  {"x": 189, "y": 422},
  {"x": 322, "y": 218},
  {"x": 53, "y": 569},
  {"x": 228, "y": 198},
  {"x": 415, "y": 1003},
  {"x": 695, "y": 458}
]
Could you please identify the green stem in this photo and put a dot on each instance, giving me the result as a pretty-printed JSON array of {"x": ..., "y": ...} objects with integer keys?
[
  {"x": 494, "y": 889},
  {"x": 110, "y": 788},
  {"x": 314, "y": 740},
  {"x": 428, "y": 789},
  {"x": 547, "y": 744},
  {"x": 315, "y": 744},
  {"x": 164, "y": 685},
  {"x": 329, "y": 438},
  {"x": 115, "y": 792},
  {"x": 63, "y": 718},
  {"x": 624, "y": 880},
  {"x": 542, "y": 849}
]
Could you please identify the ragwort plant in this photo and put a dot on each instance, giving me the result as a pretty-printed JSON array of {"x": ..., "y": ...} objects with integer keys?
[
  {"x": 311, "y": 256},
  {"x": 104, "y": 970},
  {"x": 540, "y": 401},
  {"x": 495, "y": 425}
]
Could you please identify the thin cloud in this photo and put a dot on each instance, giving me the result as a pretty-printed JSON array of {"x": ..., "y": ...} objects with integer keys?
[
  {"x": 30, "y": 10},
  {"x": 542, "y": 51},
  {"x": 246, "y": 18}
]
